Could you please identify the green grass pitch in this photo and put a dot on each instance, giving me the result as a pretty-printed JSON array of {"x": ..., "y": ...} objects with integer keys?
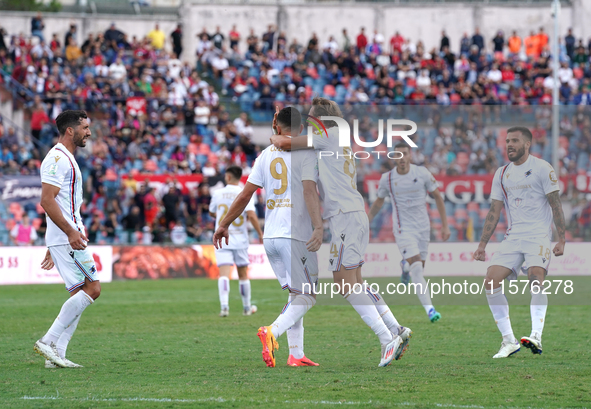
[{"x": 161, "y": 344}]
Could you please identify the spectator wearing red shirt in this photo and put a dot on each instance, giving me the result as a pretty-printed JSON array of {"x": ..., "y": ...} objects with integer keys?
[
  {"x": 234, "y": 37},
  {"x": 396, "y": 43},
  {"x": 150, "y": 207},
  {"x": 361, "y": 41},
  {"x": 38, "y": 119}
]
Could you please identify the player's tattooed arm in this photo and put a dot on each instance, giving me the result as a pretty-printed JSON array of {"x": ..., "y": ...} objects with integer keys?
[
  {"x": 375, "y": 208},
  {"x": 492, "y": 218},
  {"x": 558, "y": 215}
]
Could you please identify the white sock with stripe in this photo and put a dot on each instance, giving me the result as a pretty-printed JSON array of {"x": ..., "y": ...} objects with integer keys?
[
  {"x": 364, "y": 306},
  {"x": 500, "y": 310},
  {"x": 384, "y": 311},
  {"x": 537, "y": 308},
  {"x": 224, "y": 291},
  {"x": 64, "y": 340},
  {"x": 245, "y": 292},
  {"x": 295, "y": 338},
  {"x": 416, "y": 274},
  {"x": 71, "y": 310},
  {"x": 296, "y": 308}
]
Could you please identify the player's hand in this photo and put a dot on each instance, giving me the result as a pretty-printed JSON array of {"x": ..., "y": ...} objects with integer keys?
[
  {"x": 275, "y": 119},
  {"x": 47, "y": 263},
  {"x": 479, "y": 254},
  {"x": 77, "y": 239},
  {"x": 445, "y": 233},
  {"x": 220, "y": 233},
  {"x": 316, "y": 240},
  {"x": 559, "y": 249}
]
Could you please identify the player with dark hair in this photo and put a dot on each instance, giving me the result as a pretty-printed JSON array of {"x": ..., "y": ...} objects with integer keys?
[
  {"x": 61, "y": 198},
  {"x": 236, "y": 253},
  {"x": 407, "y": 186},
  {"x": 293, "y": 233},
  {"x": 528, "y": 188}
]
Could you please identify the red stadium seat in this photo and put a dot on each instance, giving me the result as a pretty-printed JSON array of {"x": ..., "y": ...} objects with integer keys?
[
  {"x": 329, "y": 91},
  {"x": 461, "y": 214},
  {"x": 472, "y": 207},
  {"x": 483, "y": 213}
]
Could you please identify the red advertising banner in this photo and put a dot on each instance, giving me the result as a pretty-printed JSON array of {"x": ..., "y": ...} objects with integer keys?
[
  {"x": 183, "y": 182},
  {"x": 135, "y": 105}
]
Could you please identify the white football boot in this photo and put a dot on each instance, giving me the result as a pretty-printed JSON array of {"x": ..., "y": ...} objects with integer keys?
[
  {"x": 49, "y": 352},
  {"x": 507, "y": 349},
  {"x": 389, "y": 350}
]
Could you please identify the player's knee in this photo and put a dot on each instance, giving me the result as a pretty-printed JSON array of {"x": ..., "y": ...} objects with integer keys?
[
  {"x": 413, "y": 259},
  {"x": 94, "y": 291}
]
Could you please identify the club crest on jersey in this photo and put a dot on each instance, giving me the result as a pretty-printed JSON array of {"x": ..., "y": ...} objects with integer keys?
[
  {"x": 528, "y": 173},
  {"x": 304, "y": 260},
  {"x": 552, "y": 176},
  {"x": 342, "y": 237},
  {"x": 518, "y": 202}
]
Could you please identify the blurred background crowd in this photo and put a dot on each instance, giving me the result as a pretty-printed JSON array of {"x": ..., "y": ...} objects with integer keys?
[{"x": 154, "y": 115}]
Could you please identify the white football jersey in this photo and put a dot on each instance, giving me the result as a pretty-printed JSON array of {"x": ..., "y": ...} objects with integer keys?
[
  {"x": 281, "y": 174},
  {"x": 221, "y": 200},
  {"x": 523, "y": 189},
  {"x": 337, "y": 176},
  {"x": 59, "y": 168},
  {"x": 409, "y": 198}
]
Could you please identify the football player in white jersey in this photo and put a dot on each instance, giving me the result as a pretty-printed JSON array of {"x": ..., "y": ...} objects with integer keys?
[
  {"x": 235, "y": 253},
  {"x": 61, "y": 198},
  {"x": 293, "y": 233},
  {"x": 344, "y": 208},
  {"x": 528, "y": 188},
  {"x": 407, "y": 185}
]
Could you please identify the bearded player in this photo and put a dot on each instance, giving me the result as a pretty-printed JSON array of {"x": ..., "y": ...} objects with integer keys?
[
  {"x": 407, "y": 185},
  {"x": 528, "y": 189},
  {"x": 61, "y": 198}
]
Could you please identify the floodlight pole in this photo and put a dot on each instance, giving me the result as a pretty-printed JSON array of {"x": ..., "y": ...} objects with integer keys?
[{"x": 555, "y": 98}]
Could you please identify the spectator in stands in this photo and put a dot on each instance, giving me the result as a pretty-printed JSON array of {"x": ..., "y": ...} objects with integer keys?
[
  {"x": 157, "y": 38},
  {"x": 23, "y": 233},
  {"x": 217, "y": 38},
  {"x": 542, "y": 42},
  {"x": 345, "y": 40},
  {"x": 498, "y": 42},
  {"x": 234, "y": 37},
  {"x": 361, "y": 41},
  {"x": 71, "y": 34},
  {"x": 38, "y": 119},
  {"x": 465, "y": 44},
  {"x": 570, "y": 42},
  {"x": 269, "y": 39},
  {"x": 132, "y": 223},
  {"x": 2, "y": 43},
  {"x": 177, "y": 40},
  {"x": 37, "y": 26},
  {"x": 73, "y": 52},
  {"x": 478, "y": 40},
  {"x": 444, "y": 41}
]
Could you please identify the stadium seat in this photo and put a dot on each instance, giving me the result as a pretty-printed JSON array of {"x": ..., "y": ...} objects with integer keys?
[{"x": 329, "y": 91}]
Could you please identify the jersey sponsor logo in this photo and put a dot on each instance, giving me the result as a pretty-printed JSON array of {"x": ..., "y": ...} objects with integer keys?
[
  {"x": 552, "y": 177},
  {"x": 270, "y": 204}
]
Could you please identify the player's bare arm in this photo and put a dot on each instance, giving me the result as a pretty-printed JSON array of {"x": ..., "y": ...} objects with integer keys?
[
  {"x": 254, "y": 220},
  {"x": 445, "y": 233},
  {"x": 492, "y": 218},
  {"x": 558, "y": 215},
  {"x": 313, "y": 206},
  {"x": 47, "y": 263},
  {"x": 48, "y": 194},
  {"x": 237, "y": 208},
  {"x": 375, "y": 208}
]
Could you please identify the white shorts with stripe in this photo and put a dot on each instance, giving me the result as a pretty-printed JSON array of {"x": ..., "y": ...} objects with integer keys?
[
  {"x": 73, "y": 265},
  {"x": 513, "y": 254},
  {"x": 350, "y": 237},
  {"x": 293, "y": 264},
  {"x": 228, "y": 257},
  {"x": 413, "y": 243}
]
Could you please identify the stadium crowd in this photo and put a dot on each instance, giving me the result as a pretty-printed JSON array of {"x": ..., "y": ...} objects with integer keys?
[{"x": 178, "y": 119}]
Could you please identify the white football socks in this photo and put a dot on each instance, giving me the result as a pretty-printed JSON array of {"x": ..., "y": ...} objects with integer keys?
[
  {"x": 70, "y": 311},
  {"x": 245, "y": 292},
  {"x": 365, "y": 307},
  {"x": 538, "y": 307},
  {"x": 295, "y": 338},
  {"x": 500, "y": 310},
  {"x": 64, "y": 340},
  {"x": 384, "y": 311},
  {"x": 224, "y": 291},
  {"x": 296, "y": 308},
  {"x": 416, "y": 274}
]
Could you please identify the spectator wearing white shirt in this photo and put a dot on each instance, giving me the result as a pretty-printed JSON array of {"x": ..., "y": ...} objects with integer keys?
[
  {"x": 494, "y": 74},
  {"x": 423, "y": 81},
  {"x": 331, "y": 44},
  {"x": 117, "y": 70},
  {"x": 202, "y": 113},
  {"x": 565, "y": 73},
  {"x": 174, "y": 67}
]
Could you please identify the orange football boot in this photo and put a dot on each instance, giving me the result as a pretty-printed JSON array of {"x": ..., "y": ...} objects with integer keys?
[{"x": 269, "y": 345}]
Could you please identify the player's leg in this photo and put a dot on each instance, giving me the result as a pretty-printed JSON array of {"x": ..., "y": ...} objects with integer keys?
[
  {"x": 502, "y": 266},
  {"x": 79, "y": 273},
  {"x": 242, "y": 261},
  {"x": 225, "y": 262},
  {"x": 423, "y": 243},
  {"x": 409, "y": 246},
  {"x": 537, "y": 258}
]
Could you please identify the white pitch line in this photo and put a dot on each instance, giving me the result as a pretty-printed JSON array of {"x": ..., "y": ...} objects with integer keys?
[{"x": 309, "y": 402}]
